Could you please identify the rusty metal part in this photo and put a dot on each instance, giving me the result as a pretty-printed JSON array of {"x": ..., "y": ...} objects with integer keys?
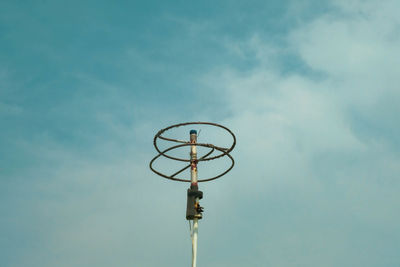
[
  {"x": 159, "y": 135},
  {"x": 224, "y": 151}
]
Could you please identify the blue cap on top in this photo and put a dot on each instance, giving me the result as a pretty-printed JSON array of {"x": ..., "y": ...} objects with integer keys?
[{"x": 193, "y": 132}]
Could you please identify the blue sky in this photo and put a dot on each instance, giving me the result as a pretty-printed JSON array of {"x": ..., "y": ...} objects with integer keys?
[{"x": 310, "y": 89}]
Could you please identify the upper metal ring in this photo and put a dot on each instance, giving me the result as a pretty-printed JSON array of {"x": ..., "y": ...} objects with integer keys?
[{"x": 159, "y": 135}]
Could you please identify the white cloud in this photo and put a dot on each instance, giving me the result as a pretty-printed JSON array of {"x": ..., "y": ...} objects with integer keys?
[
  {"x": 316, "y": 175},
  {"x": 299, "y": 135}
]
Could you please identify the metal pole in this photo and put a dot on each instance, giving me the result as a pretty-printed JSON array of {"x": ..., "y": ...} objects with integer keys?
[{"x": 193, "y": 178}]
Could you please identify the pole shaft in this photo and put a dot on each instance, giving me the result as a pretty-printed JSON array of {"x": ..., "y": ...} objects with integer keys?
[
  {"x": 194, "y": 241},
  {"x": 193, "y": 178},
  {"x": 193, "y": 158}
]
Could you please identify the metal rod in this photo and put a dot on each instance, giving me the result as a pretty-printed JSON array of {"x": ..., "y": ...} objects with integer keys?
[
  {"x": 194, "y": 241},
  {"x": 186, "y": 167},
  {"x": 193, "y": 179}
]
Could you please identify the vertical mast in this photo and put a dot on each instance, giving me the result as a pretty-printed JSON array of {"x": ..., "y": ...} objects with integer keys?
[
  {"x": 193, "y": 186},
  {"x": 194, "y": 195}
]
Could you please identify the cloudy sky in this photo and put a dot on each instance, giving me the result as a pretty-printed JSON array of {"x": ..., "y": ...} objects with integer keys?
[{"x": 310, "y": 89}]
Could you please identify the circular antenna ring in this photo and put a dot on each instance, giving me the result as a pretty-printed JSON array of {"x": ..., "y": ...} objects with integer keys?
[{"x": 224, "y": 151}]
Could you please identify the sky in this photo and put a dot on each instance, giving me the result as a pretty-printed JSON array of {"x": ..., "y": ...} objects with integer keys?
[{"x": 310, "y": 88}]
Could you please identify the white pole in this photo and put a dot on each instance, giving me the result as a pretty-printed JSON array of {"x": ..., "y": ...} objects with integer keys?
[
  {"x": 193, "y": 178},
  {"x": 194, "y": 241}
]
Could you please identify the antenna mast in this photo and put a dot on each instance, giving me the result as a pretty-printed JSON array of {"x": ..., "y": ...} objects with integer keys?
[
  {"x": 193, "y": 208},
  {"x": 194, "y": 196}
]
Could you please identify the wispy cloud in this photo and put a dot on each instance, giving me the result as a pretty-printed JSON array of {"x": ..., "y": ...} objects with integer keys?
[
  {"x": 325, "y": 142},
  {"x": 317, "y": 160}
]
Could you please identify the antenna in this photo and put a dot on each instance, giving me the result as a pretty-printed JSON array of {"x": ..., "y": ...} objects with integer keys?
[{"x": 193, "y": 208}]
